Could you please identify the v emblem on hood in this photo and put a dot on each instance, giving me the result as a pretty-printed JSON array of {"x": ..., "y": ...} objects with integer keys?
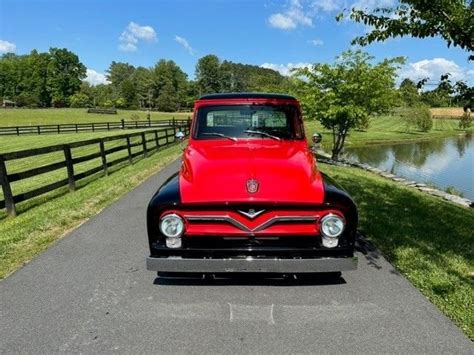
[{"x": 251, "y": 213}]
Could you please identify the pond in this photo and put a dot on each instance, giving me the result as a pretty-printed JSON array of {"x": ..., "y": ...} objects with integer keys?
[{"x": 444, "y": 163}]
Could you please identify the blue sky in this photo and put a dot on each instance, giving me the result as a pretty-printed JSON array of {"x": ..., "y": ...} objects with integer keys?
[{"x": 276, "y": 34}]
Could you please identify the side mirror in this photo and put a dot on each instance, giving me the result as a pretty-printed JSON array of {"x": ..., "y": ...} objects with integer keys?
[
  {"x": 179, "y": 136},
  {"x": 317, "y": 138}
]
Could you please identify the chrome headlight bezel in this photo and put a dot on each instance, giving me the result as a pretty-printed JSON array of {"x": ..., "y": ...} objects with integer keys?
[
  {"x": 331, "y": 217},
  {"x": 168, "y": 217}
]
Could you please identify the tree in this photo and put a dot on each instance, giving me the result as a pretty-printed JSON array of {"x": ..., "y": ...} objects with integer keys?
[
  {"x": 169, "y": 79},
  {"x": 343, "y": 94},
  {"x": 208, "y": 74},
  {"x": 442, "y": 95},
  {"x": 119, "y": 72},
  {"x": 409, "y": 93},
  {"x": 452, "y": 20},
  {"x": 120, "y": 77},
  {"x": 168, "y": 100},
  {"x": 40, "y": 79},
  {"x": 143, "y": 82},
  {"x": 65, "y": 73}
]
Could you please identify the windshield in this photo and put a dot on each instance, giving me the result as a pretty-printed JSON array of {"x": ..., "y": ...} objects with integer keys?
[{"x": 248, "y": 121}]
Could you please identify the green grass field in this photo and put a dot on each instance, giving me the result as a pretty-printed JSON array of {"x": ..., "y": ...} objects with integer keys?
[
  {"x": 47, "y": 218},
  {"x": 27, "y": 117},
  {"x": 24, "y": 142},
  {"x": 386, "y": 129},
  {"x": 428, "y": 240}
]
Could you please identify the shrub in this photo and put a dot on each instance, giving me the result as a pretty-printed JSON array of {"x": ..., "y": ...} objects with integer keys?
[
  {"x": 79, "y": 100},
  {"x": 26, "y": 99},
  {"x": 135, "y": 117},
  {"x": 363, "y": 123},
  {"x": 465, "y": 121},
  {"x": 453, "y": 191},
  {"x": 420, "y": 117}
]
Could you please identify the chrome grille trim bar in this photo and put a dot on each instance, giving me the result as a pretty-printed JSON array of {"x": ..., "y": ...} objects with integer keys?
[{"x": 243, "y": 227}]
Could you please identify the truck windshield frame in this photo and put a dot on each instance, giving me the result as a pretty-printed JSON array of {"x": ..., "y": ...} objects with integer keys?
[{"x": 237, "y": 121}]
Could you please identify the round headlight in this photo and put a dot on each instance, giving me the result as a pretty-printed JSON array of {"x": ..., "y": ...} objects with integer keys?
[
  {"x": 332, "y": 226},
  {"x": 172, "y": 226}
]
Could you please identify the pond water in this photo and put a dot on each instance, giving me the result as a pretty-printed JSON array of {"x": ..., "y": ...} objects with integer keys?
[{"x": 447, "y": 162}]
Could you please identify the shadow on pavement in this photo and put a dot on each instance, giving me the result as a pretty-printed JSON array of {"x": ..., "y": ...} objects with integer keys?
[{"x": 253, "y": 279}]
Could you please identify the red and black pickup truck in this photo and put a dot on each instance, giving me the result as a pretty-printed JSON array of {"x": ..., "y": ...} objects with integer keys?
[{"x": 249, "y": 196}]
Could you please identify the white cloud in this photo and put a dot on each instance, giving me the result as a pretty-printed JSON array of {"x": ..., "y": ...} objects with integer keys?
[
  {"x": 7, "y": 47},
  {"x": 281, "y": 21},
  {"x": 133, "y": 33},
  {"x": 373, "y": 4},
  {"x": 316, "y": 42},
  {"x": 294, "y": 16},
  {"x": 327, "y": 5},
  {"x": 302, "y": 12},
  {"x": 184, "y": 42},
  {"x": 285, "y": 69},
  {"x": 95, "y": 78},
  {"x": 433, "y": 69}
]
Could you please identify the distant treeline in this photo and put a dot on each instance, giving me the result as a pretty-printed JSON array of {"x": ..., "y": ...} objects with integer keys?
[{"x": 56, "y": 79}]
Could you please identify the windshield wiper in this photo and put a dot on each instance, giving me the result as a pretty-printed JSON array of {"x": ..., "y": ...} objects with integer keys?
[
  {"x": 265, "y": 134},
  {"x": 220, "y": 135}
]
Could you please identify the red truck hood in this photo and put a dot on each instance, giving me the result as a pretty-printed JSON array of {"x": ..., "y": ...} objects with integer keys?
[{"x": 218, "y": 171}]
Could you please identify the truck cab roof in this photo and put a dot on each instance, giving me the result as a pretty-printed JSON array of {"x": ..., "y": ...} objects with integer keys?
[{"x": 246, "y": 95}]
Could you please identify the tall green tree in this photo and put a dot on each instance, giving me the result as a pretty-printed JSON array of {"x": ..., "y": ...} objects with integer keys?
[
  {"x": 143, "y": 81},
  {"x": 169, "y": 79},
  {"x": 118, "y": 72},
  {"x": 65, "y": 73},
  {"x": 343, "y": 94},
  {"x": 452, "y": 20},
  {"x": 409, "y": 94},
  {"x": 208, "y": 74}
]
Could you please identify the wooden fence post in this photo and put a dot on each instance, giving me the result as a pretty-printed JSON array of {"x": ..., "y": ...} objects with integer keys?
[
  {"x": 156, "y": 140},
  {"x": 17, "y": 131},
  {"x": 129, "y": 149},
  {"x": 167, "y": 139},
  {"x": 144, "y": 144},
  {"x": 123, "y": 123},
  {"x": 104, "y": 158},
  {"x": 7, "y": 189},
  {"x": 70, "y": 168}
]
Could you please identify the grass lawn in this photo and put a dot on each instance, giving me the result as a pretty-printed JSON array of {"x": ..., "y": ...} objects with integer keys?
[
  {"x": 56, "y": 213},
  {"x": 24, "y": 142},
  {"x": 386, "y": 129},
  {"x": 27, "y": 117},
  {"x": 15, "y": 143},
  {"x": 428, "y": 240}
]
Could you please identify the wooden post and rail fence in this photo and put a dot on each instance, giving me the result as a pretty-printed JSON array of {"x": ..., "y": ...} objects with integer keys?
[
  {"x": 150, "y": 140},
  {"x": 89, "y": 127}
]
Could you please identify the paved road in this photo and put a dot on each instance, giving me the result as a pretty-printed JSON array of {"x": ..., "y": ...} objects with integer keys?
[{"x": 90, "y": 292}]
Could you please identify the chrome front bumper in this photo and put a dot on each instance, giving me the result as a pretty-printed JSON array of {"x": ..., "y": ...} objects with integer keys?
[{"x": 178, "y": 264}]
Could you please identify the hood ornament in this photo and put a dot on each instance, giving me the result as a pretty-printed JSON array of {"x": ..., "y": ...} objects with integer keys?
[
  {"x": 252, "y": 186},
  {"x": 252, "y": 213}
]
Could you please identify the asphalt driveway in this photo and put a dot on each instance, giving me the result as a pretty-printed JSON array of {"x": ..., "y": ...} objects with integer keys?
[{"x": 91, "y": 293}]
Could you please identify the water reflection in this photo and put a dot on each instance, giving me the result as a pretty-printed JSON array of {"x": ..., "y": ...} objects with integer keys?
[{"x": 443, "y": 162}]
